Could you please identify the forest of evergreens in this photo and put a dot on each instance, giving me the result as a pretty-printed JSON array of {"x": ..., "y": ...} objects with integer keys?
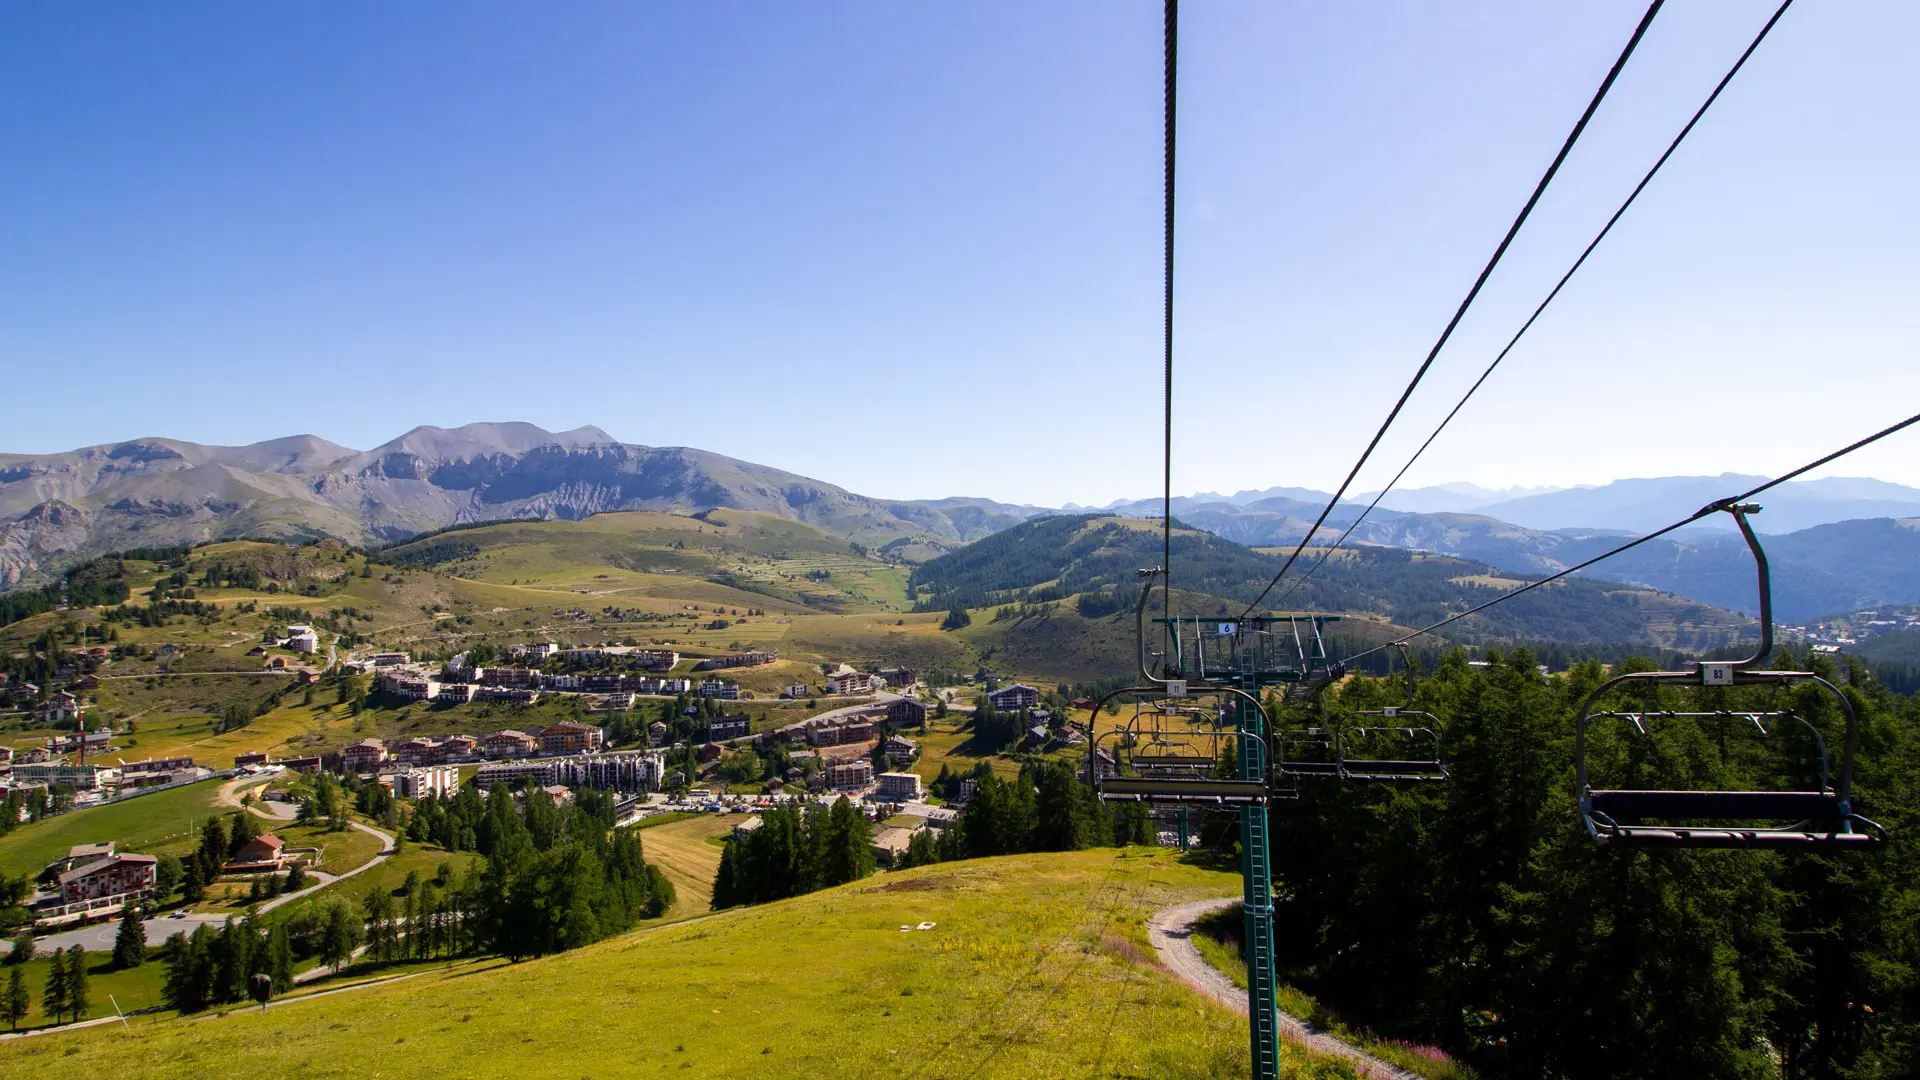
[{"x": 1479, "y": 916}]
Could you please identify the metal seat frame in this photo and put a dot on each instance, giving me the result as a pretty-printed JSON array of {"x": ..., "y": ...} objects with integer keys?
[
  {"x": 1174, "y": 780},
  {"x": 1781, "y": 820},
  {"x": 1424, "y": 729}
]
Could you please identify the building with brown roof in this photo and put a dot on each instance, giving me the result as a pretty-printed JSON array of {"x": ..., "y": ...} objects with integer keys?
[
  {"x": 261, "y": 854},
  {"x": 570, "y": 737},
  {"x": 115, "y": 879}
]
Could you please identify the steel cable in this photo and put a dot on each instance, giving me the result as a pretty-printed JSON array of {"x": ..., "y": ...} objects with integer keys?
[
  {"x": 1486, "y": 272},
  {"x": 1528, "y": 325},
  {"x": 1711, "y": 508}
]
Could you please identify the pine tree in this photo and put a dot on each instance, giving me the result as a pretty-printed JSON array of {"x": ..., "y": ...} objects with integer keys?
[
  {"x": 723, "y": 887},
  {"x": 14, "y": 1007},
  {"x": 130, "y": 943},
  {"x": 53, "y": 1000},
  {"x": 77, "y": 986},
  {"x": 279, "y": 964},
  {"x": 246, "y": 829}
]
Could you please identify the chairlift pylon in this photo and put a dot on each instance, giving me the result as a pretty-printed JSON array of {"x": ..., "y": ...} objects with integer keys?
[{"x": 1822, "y": 818}]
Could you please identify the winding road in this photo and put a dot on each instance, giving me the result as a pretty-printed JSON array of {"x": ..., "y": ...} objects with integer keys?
[{"x": 1171, "y": 932}]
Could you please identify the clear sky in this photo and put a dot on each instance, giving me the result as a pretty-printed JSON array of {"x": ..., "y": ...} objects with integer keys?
[{"x": 913, "y": 249}]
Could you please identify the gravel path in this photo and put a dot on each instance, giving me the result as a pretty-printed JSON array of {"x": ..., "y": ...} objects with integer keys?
[{"x": 1171, "y": 932}]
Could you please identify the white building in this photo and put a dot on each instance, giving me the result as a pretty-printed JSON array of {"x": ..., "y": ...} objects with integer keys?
[
  {"x": 899, "y": 787},
  {"x": 442, "y": 781}
]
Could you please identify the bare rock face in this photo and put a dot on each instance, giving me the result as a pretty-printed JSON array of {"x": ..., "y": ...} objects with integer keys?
[
  {"x": 60, "y": 508},
  {"x": 49, "y": 533}
]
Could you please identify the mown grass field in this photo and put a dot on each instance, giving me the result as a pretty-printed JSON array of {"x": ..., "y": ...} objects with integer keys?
[
  {"x": 683, "y": 853},
  {"x": 1037, "y": 966},
  {"x": 161, "y": 823},
  {"x": 134, "y": 988}
]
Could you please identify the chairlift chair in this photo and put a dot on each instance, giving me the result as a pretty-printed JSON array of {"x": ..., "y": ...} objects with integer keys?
[
  {"x": 1174, "y": 746},
  {"x": 1418, "y": 731},
  {"x": 1822, "y": 818}
]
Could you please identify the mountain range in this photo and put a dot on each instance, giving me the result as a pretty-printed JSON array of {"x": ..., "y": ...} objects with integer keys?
[
  {"x": 58, "y": 508},
  {"x": 1837, "y": 544}
]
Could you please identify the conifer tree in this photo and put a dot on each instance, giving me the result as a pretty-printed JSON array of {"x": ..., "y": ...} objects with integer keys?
[
  {"x": 17, "y": 1001},
  {"x": 130, "y": 942},
  {"x": 78, "y": 990},
  {"x": 53, "y": 999}
]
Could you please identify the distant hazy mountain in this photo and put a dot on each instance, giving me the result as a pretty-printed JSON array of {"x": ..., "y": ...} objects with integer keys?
[
  {"x": 1455, "y": 498},
  {"x": 1648, "y": 504},
  {"x": 58, "y": 508}
]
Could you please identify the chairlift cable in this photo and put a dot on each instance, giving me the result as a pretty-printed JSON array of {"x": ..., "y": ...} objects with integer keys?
[
  {"x": 1169, "y": 93},
  {"x": 1711, "y": 508},
  {"x": 1486, "y": 272},
  {"x": 1531, "y": 319}
]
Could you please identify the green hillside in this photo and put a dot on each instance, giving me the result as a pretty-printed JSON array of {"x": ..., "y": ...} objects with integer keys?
[
  {"x": 1034, "y": 966},
  {"x": 1054, "y": 558},
  {"x": 783, "y": 563}
]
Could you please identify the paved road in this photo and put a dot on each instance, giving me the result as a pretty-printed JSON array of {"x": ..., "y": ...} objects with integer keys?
[
  {"x": 386, "y": 852},
  {"x": 1171, "y": 932}
]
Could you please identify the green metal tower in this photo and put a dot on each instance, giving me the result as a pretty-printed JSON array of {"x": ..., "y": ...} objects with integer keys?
[{"x": 1253, "y": 655}]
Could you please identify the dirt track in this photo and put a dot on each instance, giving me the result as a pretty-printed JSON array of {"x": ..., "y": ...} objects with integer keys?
[{"x": 1171, "y": 932}]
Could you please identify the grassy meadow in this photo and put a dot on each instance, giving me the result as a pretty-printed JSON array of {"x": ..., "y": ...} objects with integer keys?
[
  {"x": 1035, "y": 966},
  {"x": 165, "y": 822}
]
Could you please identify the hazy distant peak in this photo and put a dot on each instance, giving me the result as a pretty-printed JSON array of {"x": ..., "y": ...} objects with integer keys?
[{"x": 470, "y": 441}]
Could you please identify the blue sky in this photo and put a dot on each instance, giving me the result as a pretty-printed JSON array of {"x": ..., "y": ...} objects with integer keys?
[{"x": 913, "y": 249}]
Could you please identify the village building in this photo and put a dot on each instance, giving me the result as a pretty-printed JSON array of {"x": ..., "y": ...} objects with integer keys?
[
  {"x": 507, "y": 744},
  {"x": 364, "y": 756},
  {"x": 522, "y": 678},
  {"x": 58, "y": 774},
  {"x": 850, "y": 776},
  {"x": 728, "y": 727},
  {"x": 302, "y": 639},
  {"x": 454, "y": 693},
  {"x": 538, "y": 650},
  {"x": 654, "y": 659},
  {"x": 262, "y": 854},
  {"x": 441, "y": 781},
  {"x": 618, "y": 770},
  {"x": 415, "y": 751},
  {"x": 905, "y": 712},
  {"x": 514, "y": 773},
  {"x": 389, "y": 659},
  {"x": 899, "y": 749},
  {"x": 156, "y": 765},
  {"x": 897, "y": 786},
  {"x": 570, "y": 737},
  {"x": 82, "y": 854},
  {"x": 890, "y": 845},
  {"x": 657, "y": 733},
  {"x": 720, "y": 689},
  {"x": 511, "y": 695},
  {"x": 309, "y": 764},
  {"x": 754, "y": 658},
  {"x": 251, "y": 759},
  {"x": 459, "y": 748},
  {"x": 1014, "y": 698},
  {"x": 107, "y": 882},
  {"x": 848, "y": 681},
  {"x": 60, "y": 710}
]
